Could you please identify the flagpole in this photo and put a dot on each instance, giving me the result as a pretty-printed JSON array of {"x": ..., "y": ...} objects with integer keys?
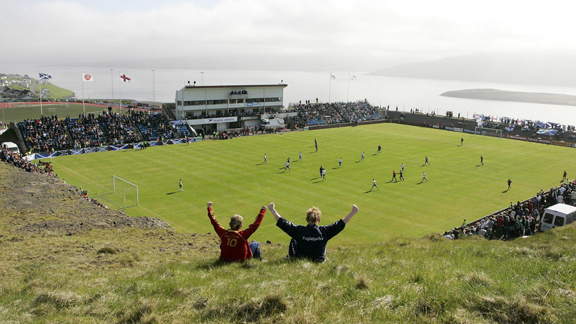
[
  {"x": 329, "y": 87},
  {"x": 120, "y": 91},
  {"x": 40, "y": 95},
  {"x": 83, "y": 104},
  {"x": 112, "y": 84},
  {"x": 348, "y": 92}
]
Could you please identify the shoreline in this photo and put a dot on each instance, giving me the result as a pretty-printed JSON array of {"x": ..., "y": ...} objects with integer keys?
[{"x": 514, "y": 96}]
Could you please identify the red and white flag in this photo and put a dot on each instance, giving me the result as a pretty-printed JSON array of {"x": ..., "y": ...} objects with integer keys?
[
  {"x": 125, "y": 78},
  {"x": 87, "y": 77}
]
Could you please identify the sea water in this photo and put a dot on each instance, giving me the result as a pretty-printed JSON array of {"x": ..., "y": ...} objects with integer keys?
[{"x": 403, "y": 93}]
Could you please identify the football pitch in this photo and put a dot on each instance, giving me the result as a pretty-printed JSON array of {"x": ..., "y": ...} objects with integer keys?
[{"x": 233, "y": 175}]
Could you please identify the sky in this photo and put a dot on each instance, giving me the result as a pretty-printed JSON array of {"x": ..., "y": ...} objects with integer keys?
[{"x": 274, "y": 35}]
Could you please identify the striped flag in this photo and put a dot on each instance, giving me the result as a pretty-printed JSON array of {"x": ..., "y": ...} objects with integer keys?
[{"x": 332, "y": 76}]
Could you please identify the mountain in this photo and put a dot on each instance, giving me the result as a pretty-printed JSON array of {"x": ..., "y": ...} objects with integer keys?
[{"x": 539, "y": 68}]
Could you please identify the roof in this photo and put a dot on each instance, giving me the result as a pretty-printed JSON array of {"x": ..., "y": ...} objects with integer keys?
[
  {"x": 283, "y": 85},
  {"x": 562, "y": 208}
]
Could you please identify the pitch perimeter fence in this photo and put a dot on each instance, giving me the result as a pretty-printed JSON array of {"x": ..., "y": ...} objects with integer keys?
[{"x": 109, "y": 148}]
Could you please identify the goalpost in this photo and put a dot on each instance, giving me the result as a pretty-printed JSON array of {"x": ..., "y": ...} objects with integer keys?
[
  {"x": 123, "y": 194},
  {"x": 488, "y": 132}
]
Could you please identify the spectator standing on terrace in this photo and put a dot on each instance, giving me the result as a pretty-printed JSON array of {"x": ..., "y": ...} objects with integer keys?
[
  {"x": 234, "y": 243},
  {"x": 310, "y": 241}
]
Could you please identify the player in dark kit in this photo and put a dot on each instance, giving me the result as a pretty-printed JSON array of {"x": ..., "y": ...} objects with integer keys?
[
  {"x": 379, "y": 149},
  {"x": 321, "y": 169},
  {"x": 461, "y": 141},
  {"x": 316, "y": 144},
  {"x": 401, "y": 175},
  {"x": 482, "y": 159},
  {"x": 509, "y": 183},
  {"x": 426, "y": 161}
]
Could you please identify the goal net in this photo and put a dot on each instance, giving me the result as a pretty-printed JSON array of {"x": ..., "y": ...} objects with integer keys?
[
  {"x": 488, "y": 132},
  {"x": 119, "y": 192}
]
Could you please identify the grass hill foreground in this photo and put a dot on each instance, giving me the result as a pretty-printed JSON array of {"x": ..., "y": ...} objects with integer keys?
[{"x": 66, "y": 260}]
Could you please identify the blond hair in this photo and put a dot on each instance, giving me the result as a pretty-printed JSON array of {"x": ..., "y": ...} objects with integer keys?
[
  {"x": 313, "y": 215},
  {"x": 236, "y": 222}
]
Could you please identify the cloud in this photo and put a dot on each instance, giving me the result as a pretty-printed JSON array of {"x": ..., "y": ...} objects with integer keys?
[{"x": 300, "y": 34}]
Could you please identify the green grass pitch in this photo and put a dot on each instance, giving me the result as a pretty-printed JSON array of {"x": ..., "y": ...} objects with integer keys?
[
  {"x": 232, "y": 174},
  {"x": 27, "y": 110}
]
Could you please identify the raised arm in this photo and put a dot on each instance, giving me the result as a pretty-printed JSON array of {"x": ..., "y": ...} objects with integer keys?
[
  {"x": 349, "y": 216},
  {"x": 272, "y": 209}
]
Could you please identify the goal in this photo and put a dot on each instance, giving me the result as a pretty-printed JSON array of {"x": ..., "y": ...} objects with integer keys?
[
  {"x": 121, "y": 193},
  {"x": 488, "y": 132}
]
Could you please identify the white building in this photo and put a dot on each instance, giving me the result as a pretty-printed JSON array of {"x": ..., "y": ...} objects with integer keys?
[{"x": 214, "y": 108}]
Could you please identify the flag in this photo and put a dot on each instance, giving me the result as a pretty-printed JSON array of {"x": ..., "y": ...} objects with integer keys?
[
  {"x": 87, "y": 77},
  {"x": 45, "y": 76},
  {"x": 353, "y": 77},
  {"x": 125, "y": 78},
  {"x": 332, "y": 76}
]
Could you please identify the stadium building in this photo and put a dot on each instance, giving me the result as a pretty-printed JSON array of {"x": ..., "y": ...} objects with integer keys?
[{"x": 223, "y": 107}]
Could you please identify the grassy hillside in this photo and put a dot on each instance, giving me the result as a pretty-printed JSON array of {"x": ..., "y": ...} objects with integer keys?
[
  {"x": 145, "y": 276},
  {"x": 233, "y": 175},
  {"x": 55, "y": 91}
]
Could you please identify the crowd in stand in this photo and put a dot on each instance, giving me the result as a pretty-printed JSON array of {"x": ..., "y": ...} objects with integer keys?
[
  {"x": 154, "y": 126},
  {"x": 46, "y": 134},
  {"x": 49, "y": 134},
  {"x": 520, "y": 219},
  {"x": 337, "y": 112}
]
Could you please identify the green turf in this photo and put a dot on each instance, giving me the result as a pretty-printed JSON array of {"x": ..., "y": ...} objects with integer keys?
[
  {"x": 32, "y": 111},
  {"x": 231, "y": 173}
]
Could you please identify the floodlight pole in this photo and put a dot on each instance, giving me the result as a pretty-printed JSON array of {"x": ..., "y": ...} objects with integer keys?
[{"x": 112, "y": 83}]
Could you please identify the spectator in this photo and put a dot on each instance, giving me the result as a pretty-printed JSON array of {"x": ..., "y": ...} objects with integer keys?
[
  {"x": 310, "y": 241},
  {"x": 234, "y": 243}
]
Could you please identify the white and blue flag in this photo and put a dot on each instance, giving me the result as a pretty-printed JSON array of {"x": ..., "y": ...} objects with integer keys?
[{"x": 45, "y": 76}]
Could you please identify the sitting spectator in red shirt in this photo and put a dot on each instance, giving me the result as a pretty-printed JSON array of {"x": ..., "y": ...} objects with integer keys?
[{"x": 234, "y": 243}]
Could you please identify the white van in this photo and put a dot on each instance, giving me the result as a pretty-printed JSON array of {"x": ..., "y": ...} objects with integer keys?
[
  {"x": 12, "y": 147},
  {"x": 557, "y": 215}
]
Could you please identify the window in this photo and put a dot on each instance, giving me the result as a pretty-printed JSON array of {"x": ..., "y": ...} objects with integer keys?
[
  {"x": 240, "y": 100},
  {"x": 232, "y": 101},
  {"x": 559, "y": 221},
  {"x": 198, "y": 103},
  {"x": 179, "y": 103},
  {"x": 547, "y": 218}
]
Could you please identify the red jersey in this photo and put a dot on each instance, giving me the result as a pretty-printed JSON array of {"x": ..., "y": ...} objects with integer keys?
[{"x": 235, "y": 246}]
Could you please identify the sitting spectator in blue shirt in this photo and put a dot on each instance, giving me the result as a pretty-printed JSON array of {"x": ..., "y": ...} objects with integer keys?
[{"x": 310, "y": 241}]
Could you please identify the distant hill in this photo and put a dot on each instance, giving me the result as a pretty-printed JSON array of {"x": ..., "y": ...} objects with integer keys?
[
  {"x": 554, "y": 69},
  {"x": 502, "y": 95}
]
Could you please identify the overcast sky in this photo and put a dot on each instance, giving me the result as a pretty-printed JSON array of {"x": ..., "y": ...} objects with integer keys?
[{"x": 280, "y": 35}]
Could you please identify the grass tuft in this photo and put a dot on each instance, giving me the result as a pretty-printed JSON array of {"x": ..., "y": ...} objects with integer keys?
[{"x": 107, "y": 250}]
